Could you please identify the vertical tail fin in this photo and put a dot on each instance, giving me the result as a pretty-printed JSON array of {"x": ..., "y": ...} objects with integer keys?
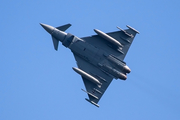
[
  {"x": 64, "y": 27},
  {"x": 55, "y": 43}
]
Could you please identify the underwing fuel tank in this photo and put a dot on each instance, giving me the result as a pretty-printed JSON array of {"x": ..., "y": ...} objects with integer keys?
[
  {"x": 87, "y": 76},
  {"x": 108, "y": 38}
]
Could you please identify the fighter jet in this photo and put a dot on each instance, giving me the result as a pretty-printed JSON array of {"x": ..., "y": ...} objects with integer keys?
[{"x": 100, "y": 58}]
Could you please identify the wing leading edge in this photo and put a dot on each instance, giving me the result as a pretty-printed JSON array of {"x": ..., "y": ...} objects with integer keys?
[{"x": 125, "y": 37}]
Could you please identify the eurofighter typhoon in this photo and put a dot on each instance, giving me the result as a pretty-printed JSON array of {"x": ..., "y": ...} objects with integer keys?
[{"x": 99, "y": 57}]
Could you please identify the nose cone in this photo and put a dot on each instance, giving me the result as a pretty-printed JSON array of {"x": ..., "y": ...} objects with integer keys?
[{"x": 48, "y": 28}]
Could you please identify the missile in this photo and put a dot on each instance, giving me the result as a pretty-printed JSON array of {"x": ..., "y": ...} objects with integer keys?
[
  {"x": 126, "y": 33},
  {"x": 87, "y": 76},
  {"x": 90, "y": 94},
  {"x": 108, "y": 38}
]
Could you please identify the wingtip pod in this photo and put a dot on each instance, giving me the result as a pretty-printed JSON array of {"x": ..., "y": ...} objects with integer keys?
[
  {"x": 92, "y": 102},
  {"x": 133, "y": 29}
]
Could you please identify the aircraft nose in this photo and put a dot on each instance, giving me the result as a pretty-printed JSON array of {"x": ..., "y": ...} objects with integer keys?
[{"x": 48, "y": 28}]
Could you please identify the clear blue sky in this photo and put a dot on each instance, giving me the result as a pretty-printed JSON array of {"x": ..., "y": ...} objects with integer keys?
[{"x": 38, "y": 83}]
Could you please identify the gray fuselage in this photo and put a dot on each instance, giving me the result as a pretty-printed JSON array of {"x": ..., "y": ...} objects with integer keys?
[{"x": 99, "y": 58}]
